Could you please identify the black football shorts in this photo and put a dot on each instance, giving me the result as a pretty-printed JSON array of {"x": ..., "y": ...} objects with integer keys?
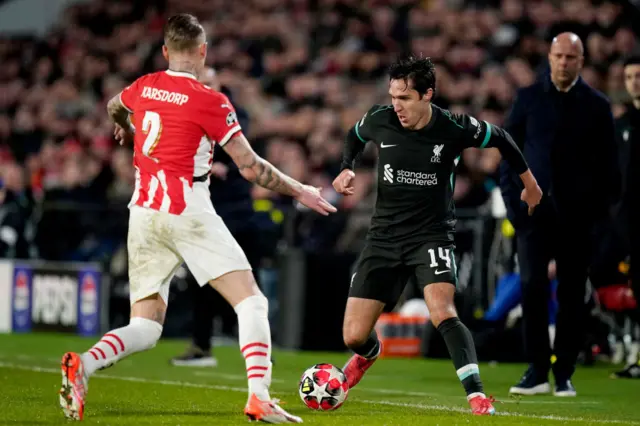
[{"x": 383, "y": 271}]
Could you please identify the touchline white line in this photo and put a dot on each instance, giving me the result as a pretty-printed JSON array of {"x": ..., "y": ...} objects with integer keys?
[{"x": 365, "y": 401}]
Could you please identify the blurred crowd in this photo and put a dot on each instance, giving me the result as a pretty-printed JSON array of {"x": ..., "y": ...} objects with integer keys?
[{"x": 301, "y": 71}]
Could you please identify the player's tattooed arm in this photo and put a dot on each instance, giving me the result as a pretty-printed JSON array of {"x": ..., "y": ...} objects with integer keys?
[
  {"x": 258, "y": 170},
  {"x": 119, "y": 113}
]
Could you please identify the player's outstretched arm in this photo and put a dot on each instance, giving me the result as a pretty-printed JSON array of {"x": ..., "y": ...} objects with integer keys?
[
  {"x": 257, "y": 170},
  {"x": 501, "y": 139}
]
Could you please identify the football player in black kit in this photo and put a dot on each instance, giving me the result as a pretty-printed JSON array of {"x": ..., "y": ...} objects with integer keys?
[{"x": 412, "y": 230}]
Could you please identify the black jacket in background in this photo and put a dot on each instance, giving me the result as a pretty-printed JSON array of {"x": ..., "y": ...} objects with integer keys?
[
  {"x": 568, "y": 140},
  {"x": 628, "y": 131},
  {"x": 15, "y": 216},
  {"x": 231, "y": 197}
]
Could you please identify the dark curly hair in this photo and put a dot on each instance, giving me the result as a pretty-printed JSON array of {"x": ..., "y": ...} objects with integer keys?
[
  {"x": 632, "y": 60},
  {"x": 420, "y": 71}
]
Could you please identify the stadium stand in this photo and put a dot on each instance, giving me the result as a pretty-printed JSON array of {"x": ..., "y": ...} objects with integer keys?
[{"x": 303, "y": 71}]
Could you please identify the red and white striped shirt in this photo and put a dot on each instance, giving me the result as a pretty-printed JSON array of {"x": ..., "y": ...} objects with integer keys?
[{"x": 177, "y": 121}]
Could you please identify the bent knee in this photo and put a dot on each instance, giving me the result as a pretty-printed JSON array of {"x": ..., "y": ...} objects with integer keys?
[
  {"x": 353, "y": 341},
  {"x": 437, "y": 316},
  {"x": 236, "y": 286},
  {"x": 355, "y": 335},
  {"x": 152, "y": 308}
]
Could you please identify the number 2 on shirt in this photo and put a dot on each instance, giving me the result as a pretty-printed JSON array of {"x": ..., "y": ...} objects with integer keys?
[{"x": 152, "y": 127}]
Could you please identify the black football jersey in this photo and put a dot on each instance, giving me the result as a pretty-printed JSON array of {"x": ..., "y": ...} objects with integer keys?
[{"x": 416, "y": 171}]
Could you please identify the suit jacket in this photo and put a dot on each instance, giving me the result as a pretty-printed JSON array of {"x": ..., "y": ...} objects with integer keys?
[{"x": 568, "y": 140}]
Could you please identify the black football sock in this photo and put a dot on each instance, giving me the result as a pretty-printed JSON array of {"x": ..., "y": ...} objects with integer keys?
[
  {"x": 370, "y": 348},
  {"x": 463, "y": 353}
]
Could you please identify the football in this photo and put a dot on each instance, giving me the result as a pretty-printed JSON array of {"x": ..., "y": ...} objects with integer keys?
[{"x": 323, "y": 387}]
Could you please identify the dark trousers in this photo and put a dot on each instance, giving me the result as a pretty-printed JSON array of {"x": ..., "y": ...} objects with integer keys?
[
  {"x": 570, "y": 246},
  {"x": 627, "y": 226},
  {"x": 208, "y": 303},
  {"x": 634, "y": 245}
]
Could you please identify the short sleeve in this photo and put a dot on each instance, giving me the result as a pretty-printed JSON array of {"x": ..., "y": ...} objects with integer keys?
[
  {"x": 221, "y": 122},
  {"x": 364, "y": 128},
  {"x": 475, "y": 133},
  {"x": 130, "y": 95}
]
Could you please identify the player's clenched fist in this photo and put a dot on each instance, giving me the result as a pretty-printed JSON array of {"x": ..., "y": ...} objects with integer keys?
[
  {"x": 123, "y": 136},
  {"x": 532, "y": 196},
  {"x": 343, "y": 184},
  {"x": 311, "y": 198}
]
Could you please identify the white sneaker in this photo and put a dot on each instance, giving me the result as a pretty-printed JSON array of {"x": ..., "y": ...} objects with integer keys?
[
  {"x": 203, "y": 361},
  {"x": 194, "y": 357},
  {"x": 565, "y": 389}
]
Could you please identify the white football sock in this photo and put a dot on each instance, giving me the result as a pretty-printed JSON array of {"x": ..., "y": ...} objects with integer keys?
[
  {"x": 255, "y": 343},
  {"x": 141, "y": 334}
]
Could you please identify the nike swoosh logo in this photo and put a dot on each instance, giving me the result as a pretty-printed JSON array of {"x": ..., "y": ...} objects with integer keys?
[
  {"x": 442, "y": 272},
  {"x": 382, "y": 145}
]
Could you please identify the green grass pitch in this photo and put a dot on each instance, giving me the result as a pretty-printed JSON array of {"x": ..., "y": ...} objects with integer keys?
[{"x": 145, "y": 390}]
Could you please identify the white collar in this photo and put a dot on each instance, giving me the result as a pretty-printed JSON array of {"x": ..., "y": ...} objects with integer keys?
[
  {"x": 573, "y": 83},
  {"x": 180, "y": 74}
]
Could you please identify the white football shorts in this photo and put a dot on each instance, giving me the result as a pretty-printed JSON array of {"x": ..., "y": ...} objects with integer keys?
[{"x": 159, "y": 243}]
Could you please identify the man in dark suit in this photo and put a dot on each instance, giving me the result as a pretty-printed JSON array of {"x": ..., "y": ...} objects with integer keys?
[
  {"x": 566, "y": 131},
  {"x": 628, "y": 128}
]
